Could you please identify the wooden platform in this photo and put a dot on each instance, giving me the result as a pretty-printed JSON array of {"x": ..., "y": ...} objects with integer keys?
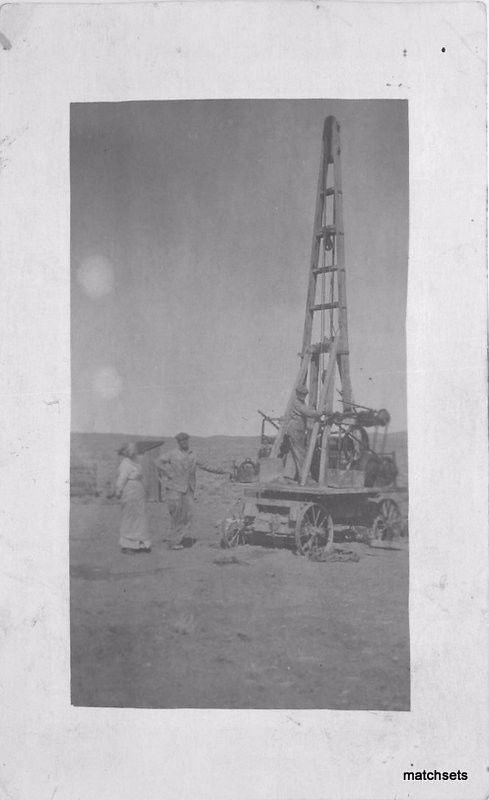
[{"x": 309, "y": 490}]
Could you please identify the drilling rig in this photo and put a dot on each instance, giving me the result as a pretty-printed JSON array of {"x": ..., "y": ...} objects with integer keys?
[{"x": 303, "y": 499}]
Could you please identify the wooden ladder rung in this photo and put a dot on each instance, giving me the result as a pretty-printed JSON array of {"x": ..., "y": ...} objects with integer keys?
[
  {"x": 321, "y": 347},
  {"x": 324, "y": 307},
  {"x": 327, "y": 230},
  {"x": 316, "y": 349},
  {"x": 322, "y": 270}
]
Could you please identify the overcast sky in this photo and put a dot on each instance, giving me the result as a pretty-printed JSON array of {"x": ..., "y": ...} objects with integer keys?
[{"x": 191, "y": 236}]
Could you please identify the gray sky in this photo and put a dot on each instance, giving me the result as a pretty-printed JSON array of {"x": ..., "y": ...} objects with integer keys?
[{"x": 191, "y": 236}]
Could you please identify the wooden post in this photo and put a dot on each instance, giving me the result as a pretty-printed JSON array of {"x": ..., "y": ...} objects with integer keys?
[
  {"x": 321, "y": 408},
  {"x": 316, "y": 242},
  {"x": 314, "y": 380},
  {"x": 324, "y": 459},
  {"x": 343, "y": 357}
]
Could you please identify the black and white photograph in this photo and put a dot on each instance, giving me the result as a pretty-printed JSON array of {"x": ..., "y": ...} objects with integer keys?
[
  {"x": 243, "y": 507},
  {"x": 239, "y": 523}
]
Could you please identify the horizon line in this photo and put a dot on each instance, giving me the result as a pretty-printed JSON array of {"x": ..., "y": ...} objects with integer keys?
[{"x": 191, "y": 435}]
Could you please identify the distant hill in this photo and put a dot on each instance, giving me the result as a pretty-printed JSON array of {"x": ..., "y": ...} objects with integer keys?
[{"x": 94, "y": 458}]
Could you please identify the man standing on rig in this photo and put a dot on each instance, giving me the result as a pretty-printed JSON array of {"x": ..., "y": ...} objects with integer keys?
[
  {"x": 178, "y": 467},
  {"x": 297, "y": 427}
]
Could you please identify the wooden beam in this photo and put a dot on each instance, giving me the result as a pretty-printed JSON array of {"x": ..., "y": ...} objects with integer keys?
[
  {"x": 316, "y": 241},
  {"x": 325, "y": 347},
  {"x": 326, "y": 230},
  {"x": 343, "y": 357},
  {"x": 321, "y": 347},
  {"x": 306, "y": 467},
  {"x": 314, "y": 379},
  {"x": 324, "y": 458},
  {"x": 325, "y": 306}
]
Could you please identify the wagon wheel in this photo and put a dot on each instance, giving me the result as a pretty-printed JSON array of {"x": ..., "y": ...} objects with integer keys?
[
  {"x": 231, "y": 533},
  {"x": 232, "y": 527},
  {"x": 314, "y": 529},
  {"x": 387, "y": 525}
]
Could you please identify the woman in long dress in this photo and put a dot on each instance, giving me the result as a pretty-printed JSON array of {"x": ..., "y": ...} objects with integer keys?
[{"x": 134, "y": 534}]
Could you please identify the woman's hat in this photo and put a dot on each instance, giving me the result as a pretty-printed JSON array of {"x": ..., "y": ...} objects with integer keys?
[{"x": 127, "y": 449}]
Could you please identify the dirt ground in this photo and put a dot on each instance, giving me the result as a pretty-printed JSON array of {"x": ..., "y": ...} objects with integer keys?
[{"x": 174, "y": 629}]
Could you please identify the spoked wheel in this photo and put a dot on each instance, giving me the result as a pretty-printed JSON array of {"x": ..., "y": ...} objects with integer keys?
[
  {"x": 231, "y": 533},
  {"x": 232, "y": 527},
  {"x": 314, "y": 530},
  {"x": 387, "y": 525}
]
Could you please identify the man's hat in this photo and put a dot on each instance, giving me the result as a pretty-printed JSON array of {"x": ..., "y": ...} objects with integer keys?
[
  {"x": 181, "y": 436},
  {"x": 302, "y": 390}
]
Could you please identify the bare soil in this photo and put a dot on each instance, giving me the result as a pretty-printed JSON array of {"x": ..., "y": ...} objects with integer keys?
[{"x": 263, "y": 629}]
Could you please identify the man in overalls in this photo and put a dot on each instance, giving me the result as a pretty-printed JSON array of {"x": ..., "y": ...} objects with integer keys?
[{"x": 297, "y": 427}]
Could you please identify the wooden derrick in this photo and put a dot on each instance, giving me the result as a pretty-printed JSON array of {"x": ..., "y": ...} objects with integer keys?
[{"x": 325, "y": 305}]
